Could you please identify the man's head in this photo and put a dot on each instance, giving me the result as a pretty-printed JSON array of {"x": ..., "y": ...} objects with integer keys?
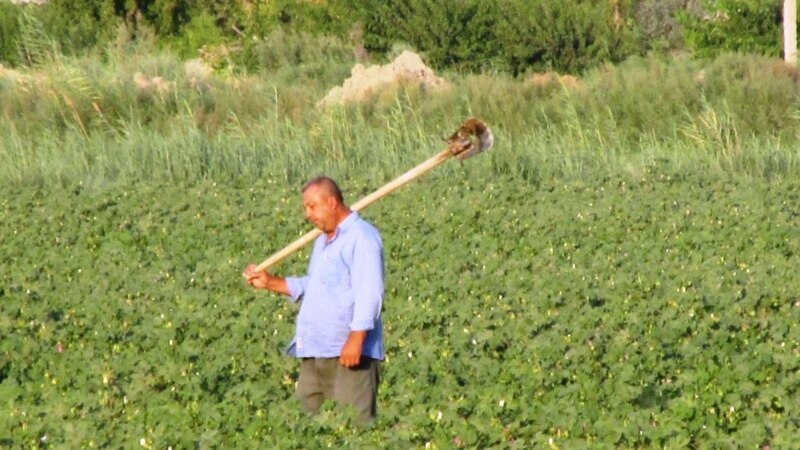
[{"x": 324, "y": 204}]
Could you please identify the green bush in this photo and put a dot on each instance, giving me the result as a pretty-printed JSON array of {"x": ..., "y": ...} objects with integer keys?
[
  {"x": 760, "y": 93},
  {"x": 9, "y": 30},
  {"x": 80, "y": 25},
  {"x": 456, "y": 35},
  {"x": 332, "y": 17},
  {"x": 658, "y": 23},
  {"x": 752, "y": 26},
  {"x": 564, "y": 36},
  {"x": 513, "y": 35},
  {"x": 200, "y": 32}
]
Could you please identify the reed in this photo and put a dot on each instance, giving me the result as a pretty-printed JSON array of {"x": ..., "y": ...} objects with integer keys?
[{"x": 141, "y": 114}]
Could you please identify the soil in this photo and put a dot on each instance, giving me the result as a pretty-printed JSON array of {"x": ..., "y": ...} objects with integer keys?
[{"x": 366, "y": 82}]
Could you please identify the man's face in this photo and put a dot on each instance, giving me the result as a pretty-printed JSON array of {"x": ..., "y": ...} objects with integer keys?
[{"x": 320, "y": 208}]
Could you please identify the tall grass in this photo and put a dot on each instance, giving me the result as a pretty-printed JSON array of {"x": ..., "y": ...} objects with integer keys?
[{"x": 135, "y": 113}]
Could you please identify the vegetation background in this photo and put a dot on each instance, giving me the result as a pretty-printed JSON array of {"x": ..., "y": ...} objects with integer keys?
[{"x": 231, "y": 89}]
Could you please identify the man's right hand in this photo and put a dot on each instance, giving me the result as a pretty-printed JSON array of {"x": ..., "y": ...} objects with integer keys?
[{"x": 260, "y": 279}]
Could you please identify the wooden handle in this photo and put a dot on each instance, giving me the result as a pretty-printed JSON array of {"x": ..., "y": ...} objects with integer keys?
[
  {"x": 381, "y": 192},
  {"x": 289, "y": 249},
  {"x": 398, "y": 182},
  {"x": 461, "y": 144}
]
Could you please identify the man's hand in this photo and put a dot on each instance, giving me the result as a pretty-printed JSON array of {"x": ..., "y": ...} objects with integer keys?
[
  {"x": 262, "y": 280},
  {"x": 257, "y": 279},
  {"x": 351, "y": 352}
]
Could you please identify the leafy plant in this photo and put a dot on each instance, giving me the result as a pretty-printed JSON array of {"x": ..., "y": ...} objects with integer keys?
[{"x": 655, "y": 307}]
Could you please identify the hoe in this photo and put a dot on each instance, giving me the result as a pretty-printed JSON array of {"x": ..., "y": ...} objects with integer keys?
[{"x": 471, "y": 138}]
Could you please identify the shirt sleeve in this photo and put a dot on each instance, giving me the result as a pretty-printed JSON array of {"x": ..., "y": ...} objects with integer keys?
[
  {"x": 367, "y": 279},
  {"x": 297, "y": 287}
]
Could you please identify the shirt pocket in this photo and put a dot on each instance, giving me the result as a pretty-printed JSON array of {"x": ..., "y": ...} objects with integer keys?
[
  {"x": 332, "y": 278},
  {"x": 335, "y": 274}
]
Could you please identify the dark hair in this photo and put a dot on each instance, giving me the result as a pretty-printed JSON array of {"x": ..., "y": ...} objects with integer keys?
[{"x": 328, "y": 184}]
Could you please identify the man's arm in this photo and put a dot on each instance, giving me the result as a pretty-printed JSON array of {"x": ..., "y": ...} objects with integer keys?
[
  {"x": 367, "y": 279},
  {"x": 263, "y": 280}
]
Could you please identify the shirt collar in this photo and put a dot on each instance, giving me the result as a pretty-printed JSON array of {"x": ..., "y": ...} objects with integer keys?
[{"x": 344, "y": 225}]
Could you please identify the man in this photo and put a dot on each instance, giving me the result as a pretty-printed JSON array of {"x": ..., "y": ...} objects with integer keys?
[{"x": 339, "y": 335}]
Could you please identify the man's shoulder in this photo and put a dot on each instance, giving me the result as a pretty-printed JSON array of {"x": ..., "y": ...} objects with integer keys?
[
  {"x": 362, "y": 222},
  {"x": 356, "y": 222},
  {"x": 363, "y": 229}
]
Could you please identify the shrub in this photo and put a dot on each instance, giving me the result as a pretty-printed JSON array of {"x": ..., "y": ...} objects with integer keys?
[
  {"x": 200, "y": 32},
  {"x": 291, "y": 57},
  {"x": 78, "y": 25},
  {"x": 9, "y": 30},
  {"x": 565, "y": 36},
  {"x": 459, "y": 35},
  {"x": 513, "y": 35},
  {"x": 760, "y": 92},
  {"x": 752, "y": 26},
  {"x": 657, "y": 21},
  {"x": 332, "y": 17}
]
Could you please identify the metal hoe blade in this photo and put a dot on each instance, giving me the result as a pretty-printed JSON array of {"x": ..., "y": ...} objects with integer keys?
[{"x": 463, "y": 143}]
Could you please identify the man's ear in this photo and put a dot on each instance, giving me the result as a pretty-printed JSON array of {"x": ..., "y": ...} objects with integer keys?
[{"x": 332, "y": 202}]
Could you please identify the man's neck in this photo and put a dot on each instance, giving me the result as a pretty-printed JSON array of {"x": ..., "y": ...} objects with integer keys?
[{"x": 341, "y": 215}]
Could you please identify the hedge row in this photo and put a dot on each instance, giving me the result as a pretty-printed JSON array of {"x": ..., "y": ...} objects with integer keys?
[{"x": 512, "y": 36}]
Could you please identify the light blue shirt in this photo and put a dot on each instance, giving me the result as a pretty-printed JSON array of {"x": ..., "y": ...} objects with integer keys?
[{"x": 342, "y": 292}]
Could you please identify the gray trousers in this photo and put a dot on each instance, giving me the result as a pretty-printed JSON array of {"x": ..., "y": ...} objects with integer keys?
[{"x": 324, "y": 378}]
